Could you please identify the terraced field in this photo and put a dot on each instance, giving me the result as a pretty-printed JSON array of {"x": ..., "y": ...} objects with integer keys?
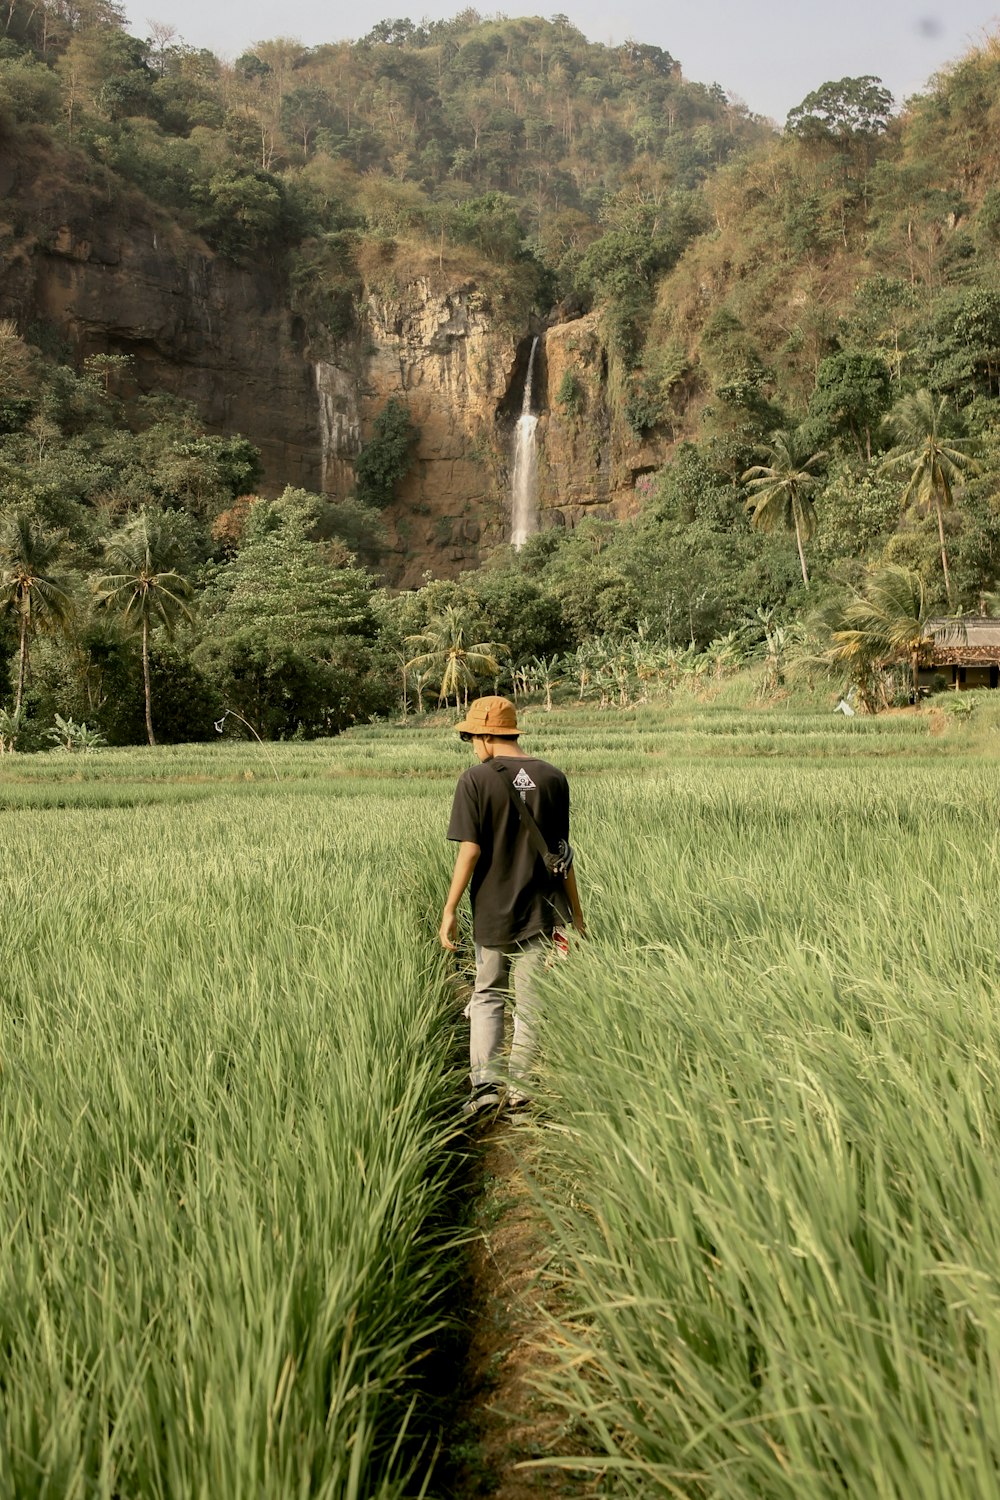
[{"x": 766, "y": 1156}]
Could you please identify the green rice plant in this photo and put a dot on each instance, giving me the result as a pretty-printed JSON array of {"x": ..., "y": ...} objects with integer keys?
[
  {"x": 225, "y": 1061},
  {"x": 227, "y": 1068},
  {"x": 773, "y": 1185}
]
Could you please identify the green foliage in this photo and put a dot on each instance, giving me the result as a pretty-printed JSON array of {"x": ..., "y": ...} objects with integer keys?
[
  {"x": 843, "y": 111},
  {"x": 644, "y": 236},
  {"x": 445, "y": 658},
  {"x": 212, "y": 1038},
  {"x": 884, "y": 623},
  {"x": 742, "y": 280},
  {"x": 242, "y": 212},
  {"x": 143, "y": 590},
  {"x": 570, "y": 396},
  {"x": 31, "y": 586},
  {"x": 490, "y": 224},
  {"x": 68, "y": 735},
  {"x": 29, "y": 92},
  {"x": 437, "y": 130},
  {"x": 853, "y": 392},
  {"x": 859, "y": 512},
  {"x": 838, "y": 1146},
  {"x": 931, "y": 455},
  {"x": 782, "y": 490},
  {"x": 289, "y": 639},
  {"x": 647, "y": 400},
  {"x": 325, "y": 284},
  {"x": 385, "y": 458}
]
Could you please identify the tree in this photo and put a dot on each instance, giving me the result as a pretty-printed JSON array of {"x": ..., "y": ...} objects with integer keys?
[
  {"x": 385, "y": 458},
  {"x": 30, "y": 588},
  {"x": 852, "y": 394},
  {"x": 143, "y": 590},
  {"x": 847, "y": 118},
  {"x": 781, "y": 490},
  {"x": 931, "y": 455},
  {"x": 18, "y": 377},
  {"x": 290, "y": 636},
  {"x": 443, "y": 656},
  {"x": 885, "y": 623},
  {"x": 545, "y": 674},
  {"x": 844, "y": 111}
]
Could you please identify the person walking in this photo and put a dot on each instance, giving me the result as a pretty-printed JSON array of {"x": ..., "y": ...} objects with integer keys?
[{"x": 519, "y": 907}]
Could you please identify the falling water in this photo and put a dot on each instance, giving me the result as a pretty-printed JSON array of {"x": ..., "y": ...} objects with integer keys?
[
  {"x": 339, "y": 427},
  {"x": 524, "y": 507}
]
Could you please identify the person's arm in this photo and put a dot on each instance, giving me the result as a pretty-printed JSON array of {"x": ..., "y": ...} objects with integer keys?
[
  {"x": 465, "y": 863},
  {"x": 573, "y": 893}
]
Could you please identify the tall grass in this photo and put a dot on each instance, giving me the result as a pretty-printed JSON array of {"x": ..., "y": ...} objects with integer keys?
[
  {"x": 775, "y": 1189},
  {"x": 224, "y": 1059},
  {"x": 227, "y": 1067}
]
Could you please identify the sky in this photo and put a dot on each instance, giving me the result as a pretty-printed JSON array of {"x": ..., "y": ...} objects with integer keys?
[{"x": 769, "y": 53}]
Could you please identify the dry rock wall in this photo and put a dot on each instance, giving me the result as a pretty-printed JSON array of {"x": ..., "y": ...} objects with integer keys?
[
  {"x": 223, "y": 336},
  {"x": 112, "y": 281},
  {"x": 442, "y": 354},
  {"x": 589, "y": 458}
]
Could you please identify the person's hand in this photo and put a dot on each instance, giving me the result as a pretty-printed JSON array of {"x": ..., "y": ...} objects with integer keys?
[
  {"x": 581, "y": 928},
  {"x": 449, "y": 931}
]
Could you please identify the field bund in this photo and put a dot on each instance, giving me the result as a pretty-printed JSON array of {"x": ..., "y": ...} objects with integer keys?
[{"x": 767, "y": 1157}]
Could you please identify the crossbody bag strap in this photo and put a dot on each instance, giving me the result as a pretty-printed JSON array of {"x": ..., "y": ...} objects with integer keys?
[{"x": 524, "y": 812}]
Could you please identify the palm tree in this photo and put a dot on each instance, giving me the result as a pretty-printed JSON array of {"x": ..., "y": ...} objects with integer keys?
[
  {"x": 143, "y": 590},
  {"x": 930, "y": 453},
  {"x": 30, "y": 588},
  {"x": 781, "y": 489},
  {"x": 443, "y": 656},
  {"x": 886, "y": 622}
]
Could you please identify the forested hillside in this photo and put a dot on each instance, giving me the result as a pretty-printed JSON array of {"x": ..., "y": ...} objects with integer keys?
[
  {"x": 805, "y": 322},
  {"x": 509, "y": 135}
]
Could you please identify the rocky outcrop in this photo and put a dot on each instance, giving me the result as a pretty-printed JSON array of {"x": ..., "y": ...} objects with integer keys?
[
  {"x": 114, "y": 277},
  {"x": 589, "y": 459},
  {"x": 195, "y": 324},
  {"x": 462, "y": 377},
  {"x": 440, "y": 353}
]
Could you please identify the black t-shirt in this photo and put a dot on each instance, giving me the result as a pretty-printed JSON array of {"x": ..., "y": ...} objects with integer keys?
[{"x": 513, "y": 896}]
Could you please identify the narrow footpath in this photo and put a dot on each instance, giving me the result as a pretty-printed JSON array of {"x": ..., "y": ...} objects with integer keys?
[{"x": 501, "y": 1422}]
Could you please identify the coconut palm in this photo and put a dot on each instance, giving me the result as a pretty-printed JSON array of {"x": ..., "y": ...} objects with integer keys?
[
  {"x": 885, "y": 623},
  {"x": 143, "y": 590},
  {"x": 29, "y": 586},
  {"x": 781, "y": 490},
  {"x": 443, "y": 656},
  {"x": 931, "y": 454}
]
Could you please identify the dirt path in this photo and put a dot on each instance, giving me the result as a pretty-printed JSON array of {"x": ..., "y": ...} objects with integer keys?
[{"x": 502, "y": 1422}]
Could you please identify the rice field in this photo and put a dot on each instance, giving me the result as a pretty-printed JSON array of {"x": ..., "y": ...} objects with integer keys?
[{"x": 767, "y": 1156}]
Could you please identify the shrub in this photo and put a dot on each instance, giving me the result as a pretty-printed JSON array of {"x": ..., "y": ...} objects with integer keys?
[{"x": 385, "y": 458}]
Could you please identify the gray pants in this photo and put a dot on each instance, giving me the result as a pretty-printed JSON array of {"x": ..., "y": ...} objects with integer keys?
[{"x": 503, "y": 974}]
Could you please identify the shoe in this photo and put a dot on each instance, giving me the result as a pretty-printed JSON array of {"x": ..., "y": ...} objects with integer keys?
[
  {"x": 518, "y": 1110},
  {"x": 485, "y": 1097}
]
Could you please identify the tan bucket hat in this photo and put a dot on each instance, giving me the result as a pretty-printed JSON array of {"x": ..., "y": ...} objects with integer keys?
[{"x": 489, "y": 716}]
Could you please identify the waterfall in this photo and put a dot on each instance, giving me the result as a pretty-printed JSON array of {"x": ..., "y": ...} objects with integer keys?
[
  {"x": 327, "y": 427},
  {"x": 524, "y": 499},
  {"x": 339, "y": 426}
]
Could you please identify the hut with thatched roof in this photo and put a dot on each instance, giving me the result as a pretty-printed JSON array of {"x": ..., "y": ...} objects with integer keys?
[{"x": 965, "y": 651}]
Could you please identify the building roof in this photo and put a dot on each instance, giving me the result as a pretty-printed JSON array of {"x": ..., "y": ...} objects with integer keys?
[
  {"x": 965, "y": 656},
  {"x": 965, "y": 641},
  {"x": 964, "y": 630}
]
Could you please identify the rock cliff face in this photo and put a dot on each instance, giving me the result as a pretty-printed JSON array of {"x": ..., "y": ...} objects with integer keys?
[
  {"x": 589, "y": 459},
  {"x": 222, "y": 336},
  {"x": 462, "y": 379},
  {"x": 197, "y": 325},
  {"x": 442, "y": 354}
]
